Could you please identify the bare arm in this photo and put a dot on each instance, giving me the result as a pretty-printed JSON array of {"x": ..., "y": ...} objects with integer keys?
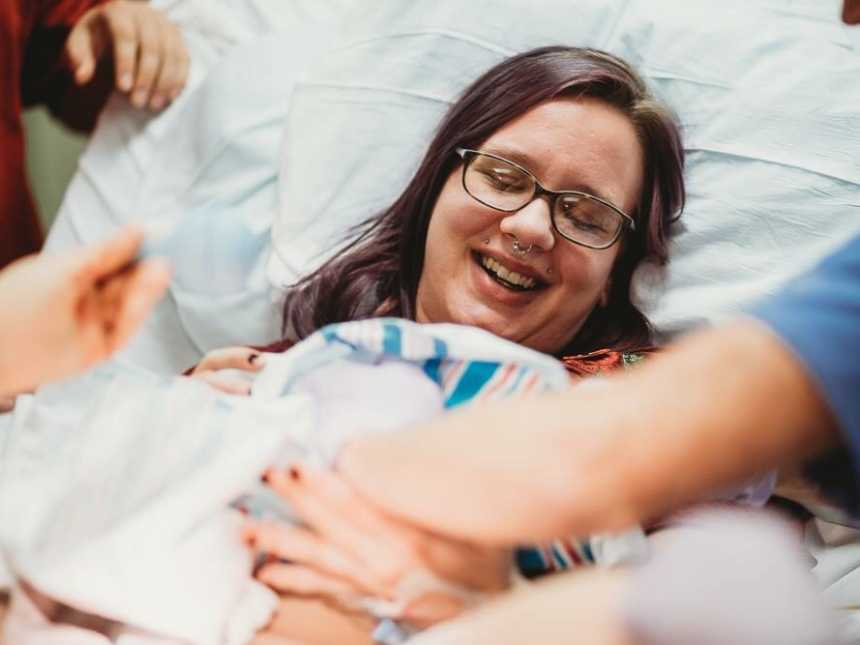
[{"x": 718, "y": 407}]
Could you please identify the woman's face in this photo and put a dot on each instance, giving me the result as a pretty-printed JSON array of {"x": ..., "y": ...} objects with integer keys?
[{"x": 567, "y": 144}]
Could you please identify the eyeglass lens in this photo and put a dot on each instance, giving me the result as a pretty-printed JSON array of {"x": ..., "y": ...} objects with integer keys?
[{"x": 504, "y": 186}]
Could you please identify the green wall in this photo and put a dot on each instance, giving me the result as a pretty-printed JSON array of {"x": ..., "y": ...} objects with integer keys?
[{"x": 52, "y": 157}]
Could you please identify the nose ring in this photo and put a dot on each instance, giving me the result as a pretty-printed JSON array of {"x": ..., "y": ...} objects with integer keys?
[{"x": 519, "y": 249}]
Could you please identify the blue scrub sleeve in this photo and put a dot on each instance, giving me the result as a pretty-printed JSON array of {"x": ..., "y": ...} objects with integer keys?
[{"x": 818, "y": 318}]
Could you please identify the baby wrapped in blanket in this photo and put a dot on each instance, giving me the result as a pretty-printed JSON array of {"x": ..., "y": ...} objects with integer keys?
[{"x": 117, "y": 511}]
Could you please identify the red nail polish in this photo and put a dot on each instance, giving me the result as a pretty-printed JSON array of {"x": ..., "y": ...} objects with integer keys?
[
  {"x": 295, "y": 475},
  {"x": 265, "y": 477},
  {"x": 252, "y": 358}
]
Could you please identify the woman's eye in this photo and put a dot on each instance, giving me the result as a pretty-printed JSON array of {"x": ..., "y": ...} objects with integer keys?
[
  {"x": 588, "y": 226},
  {"x": 578, "y": 216},
  {"x": 503, "y": 181}
]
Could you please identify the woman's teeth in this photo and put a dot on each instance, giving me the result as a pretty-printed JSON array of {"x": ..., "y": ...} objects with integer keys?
[{"x": 505, "y": 274}]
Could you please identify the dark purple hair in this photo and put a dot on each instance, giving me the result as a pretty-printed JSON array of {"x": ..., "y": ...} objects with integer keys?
[{"x": 377, "y": 274}]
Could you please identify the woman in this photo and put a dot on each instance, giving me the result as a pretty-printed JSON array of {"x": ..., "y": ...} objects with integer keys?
[{"x": 552, "y": 178}]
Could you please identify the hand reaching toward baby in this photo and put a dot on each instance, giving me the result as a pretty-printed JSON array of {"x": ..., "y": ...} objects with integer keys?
[
  {"x": 348, "y": 551},
  {"x": 64, "y": 312}
]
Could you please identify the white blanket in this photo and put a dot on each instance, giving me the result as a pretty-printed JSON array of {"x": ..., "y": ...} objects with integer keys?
[{"x": 115, "y": 488}]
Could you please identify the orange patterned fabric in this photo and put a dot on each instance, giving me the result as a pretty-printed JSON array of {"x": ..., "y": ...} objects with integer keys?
[{"x": 603, "y": 360}]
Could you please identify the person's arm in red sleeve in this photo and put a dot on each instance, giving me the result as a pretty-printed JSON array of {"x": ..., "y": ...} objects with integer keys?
[{"x": 46, "y": 74}]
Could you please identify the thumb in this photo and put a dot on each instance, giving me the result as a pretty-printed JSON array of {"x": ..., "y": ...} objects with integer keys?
[{"x": 97, "y": 262}]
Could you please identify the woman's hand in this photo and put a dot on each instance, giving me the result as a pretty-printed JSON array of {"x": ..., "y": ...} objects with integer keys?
[
  {"x": 245, "y": 359},
  {"x": 349, "y": 550},
  {"x": 149, "y": 55},
  {"x": 62, "y": 313}
]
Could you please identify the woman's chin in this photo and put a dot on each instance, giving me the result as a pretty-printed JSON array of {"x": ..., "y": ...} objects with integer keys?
[{"x": 484, "y": 318}]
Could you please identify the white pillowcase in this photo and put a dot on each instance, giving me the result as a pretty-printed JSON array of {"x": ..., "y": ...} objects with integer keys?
[{"x": 768, "y": 94}]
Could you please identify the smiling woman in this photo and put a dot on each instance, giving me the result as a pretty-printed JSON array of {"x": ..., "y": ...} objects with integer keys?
[{"x": 551, "y": 179}]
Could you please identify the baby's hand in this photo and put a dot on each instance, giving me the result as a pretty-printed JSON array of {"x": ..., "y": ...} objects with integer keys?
[{"x": 211, "y": 367}]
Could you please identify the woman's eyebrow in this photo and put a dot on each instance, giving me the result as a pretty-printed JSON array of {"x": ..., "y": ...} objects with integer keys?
[{"x": 528, "y": 162}]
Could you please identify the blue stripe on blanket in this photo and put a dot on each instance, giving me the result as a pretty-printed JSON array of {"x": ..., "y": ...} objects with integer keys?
[
  {"x": 471, "y": 382},
  {"x": 391, "y": 339},
  {"x": 432, "y": 369}
]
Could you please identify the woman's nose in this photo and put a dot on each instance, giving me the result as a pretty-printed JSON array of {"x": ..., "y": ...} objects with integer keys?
[{"x": 531, "y": 225}]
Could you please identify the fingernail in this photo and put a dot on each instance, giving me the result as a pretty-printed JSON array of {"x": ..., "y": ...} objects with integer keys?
[
  {"x": 295, "y": 475},
  {"x": 157, "y": 102},
  {"x": 253, "y": 358},
  {"x": 139, "y": 99},
  {"x": 265, "y": 477},
  {"x": 125, "y": 82}
]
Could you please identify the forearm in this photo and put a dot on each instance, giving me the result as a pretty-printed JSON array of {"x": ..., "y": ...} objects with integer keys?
[
  {"x": 719, "y": 407},
  {"x": 583, "y": 607}
]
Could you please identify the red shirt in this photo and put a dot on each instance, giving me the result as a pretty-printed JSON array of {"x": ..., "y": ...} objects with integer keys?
[{"x": 32, "y": 71}]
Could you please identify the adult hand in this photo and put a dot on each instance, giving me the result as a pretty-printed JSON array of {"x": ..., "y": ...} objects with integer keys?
[
  {"x": 349, "y": 550},
  {"x": 150, "y": 59},
  {"x": 64, "y": 312},
  {"x": 650, "y": 441},
  {"x": 210, "y": 368}
]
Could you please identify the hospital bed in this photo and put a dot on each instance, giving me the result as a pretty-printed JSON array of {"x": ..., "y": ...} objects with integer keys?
[{"x": 302, "y": 118}]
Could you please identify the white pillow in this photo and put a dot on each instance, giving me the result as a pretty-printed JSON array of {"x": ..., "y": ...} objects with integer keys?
[
  {"x": 768, "y": 94},
  {"x": 210, "y": 161}
]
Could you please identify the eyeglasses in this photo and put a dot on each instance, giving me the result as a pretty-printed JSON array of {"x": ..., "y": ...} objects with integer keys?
[{"x": 578, "y": 217}]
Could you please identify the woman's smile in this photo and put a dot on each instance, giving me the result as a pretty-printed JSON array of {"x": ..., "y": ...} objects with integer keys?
[{"x": 495, "y": 280}]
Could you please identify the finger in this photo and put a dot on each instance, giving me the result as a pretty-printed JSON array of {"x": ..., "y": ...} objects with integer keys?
[
  {"x": 303, "y": 547},
  {"x": 83, "y": 50},
  {"x": 332, "y": 495},
  {"x": 225, "y": 384},
  {"x": 150, "y": 55},
  {"x": 171, "y": 76},
  {"x": 318, "y": 498},
  {"x": 100, "y": 261},
  {"x": 240, "y": 358},
  {"x": 143, "y": 288},
  {"x": 304, "y": 581},
  {"x": 314, "y": 507},
  {"x": 122, "y": 28}
]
